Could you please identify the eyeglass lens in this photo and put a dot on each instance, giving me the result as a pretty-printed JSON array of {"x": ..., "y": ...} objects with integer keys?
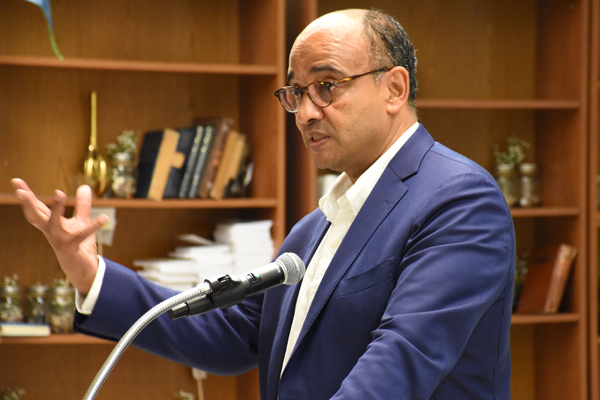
[{"x": 291, "y": 97}]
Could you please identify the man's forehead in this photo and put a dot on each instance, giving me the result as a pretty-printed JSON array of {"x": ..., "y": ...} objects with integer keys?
[
  {"x": 327, "y": 50},
  {"x": 315, "y": 69}
]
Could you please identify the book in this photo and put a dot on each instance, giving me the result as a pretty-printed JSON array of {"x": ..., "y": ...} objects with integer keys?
[
  {"x": 229, "y": 165},
  {"x": 202, "y": 160},
  {"x": 216, "y": 190},
  {"x": 191, "y": 161},
  {"x": 158, "y": 155},
  {"x": 24, "y": 329},
  {"x": 548, "y": 270},
  {"x": 182, "y": 158},
  {"x": 162, "y": 154},
  {"x": 238, "y": 187},
  {"x": 222, "y": 127}
]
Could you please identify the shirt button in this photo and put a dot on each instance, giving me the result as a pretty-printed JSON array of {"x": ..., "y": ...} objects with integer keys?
[{"x": 334, "y": 245}]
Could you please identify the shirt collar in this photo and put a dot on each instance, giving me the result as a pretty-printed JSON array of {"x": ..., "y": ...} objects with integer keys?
[{"x": 344, "y": 196}]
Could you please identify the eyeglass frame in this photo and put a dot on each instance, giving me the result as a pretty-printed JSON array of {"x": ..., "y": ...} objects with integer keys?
[{"x": 327, "y": 85}]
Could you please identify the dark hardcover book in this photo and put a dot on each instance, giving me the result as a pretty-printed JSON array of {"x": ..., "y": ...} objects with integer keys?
[
  {"x": 202, "y": 160},
  {"x": 222, "y": 127},
  {"x": 186, "y": 142},
  {"x": 191, "y": 162},
  {"x": 155, "y": 159},
  {"x": 162, "y": 162}
]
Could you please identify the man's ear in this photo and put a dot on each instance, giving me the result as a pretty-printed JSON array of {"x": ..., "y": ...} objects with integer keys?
[{"x": 398, "y": 86}]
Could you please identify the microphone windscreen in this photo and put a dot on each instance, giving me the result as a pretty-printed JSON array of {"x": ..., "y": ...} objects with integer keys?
[{"x": 293, "y": 268}]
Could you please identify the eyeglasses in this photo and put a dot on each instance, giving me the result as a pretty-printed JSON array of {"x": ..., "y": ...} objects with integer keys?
[{"x": 318, "y": 92}]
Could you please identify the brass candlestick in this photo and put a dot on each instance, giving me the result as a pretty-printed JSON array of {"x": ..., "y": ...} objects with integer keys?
[{"x": 95, "y": 172}]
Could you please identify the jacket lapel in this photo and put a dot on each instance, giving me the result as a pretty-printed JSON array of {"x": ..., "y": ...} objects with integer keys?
[{"x": 288, "y": 306}]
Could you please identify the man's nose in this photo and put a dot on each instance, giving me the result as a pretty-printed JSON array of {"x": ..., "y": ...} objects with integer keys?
[{"x": 308, "y": 110}]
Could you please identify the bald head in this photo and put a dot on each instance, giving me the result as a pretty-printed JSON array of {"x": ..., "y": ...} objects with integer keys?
[
  {"x": 342, "y": 21},
  {"x": 373, "y": 33}
]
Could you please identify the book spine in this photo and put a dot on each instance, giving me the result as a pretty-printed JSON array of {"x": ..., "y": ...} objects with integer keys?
[
  {"x": 214, "y": 159},
  {"x": 200, "y": 168},
  {"x": 166, "y": 159},
  {"x": 560, "y": 274},
  {"x": 191, "y": 165},
  {"x": 218, "y": 187}
]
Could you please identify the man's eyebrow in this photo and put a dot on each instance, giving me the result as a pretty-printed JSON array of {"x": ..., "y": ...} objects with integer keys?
[{"x": 315, "y": 69}]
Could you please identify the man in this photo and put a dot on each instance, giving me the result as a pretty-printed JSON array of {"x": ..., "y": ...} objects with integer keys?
[{"x": 410, "y": 256}]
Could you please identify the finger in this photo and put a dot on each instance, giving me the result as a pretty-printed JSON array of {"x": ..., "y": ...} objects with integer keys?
[
  {"x": 18, "y": 183},
  {"x": 35, "y": 211},
  {"x": 94, "y": 226},
  {"x": 83, "y": 202},
  {"x": 58, "y": 209}
]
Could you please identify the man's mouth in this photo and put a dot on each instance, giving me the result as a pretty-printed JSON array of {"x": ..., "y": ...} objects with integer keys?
[{"x": 317, "y": 139}]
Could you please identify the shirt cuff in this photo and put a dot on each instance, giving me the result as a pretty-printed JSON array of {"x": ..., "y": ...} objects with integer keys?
[{"x": 85, "y": 304}]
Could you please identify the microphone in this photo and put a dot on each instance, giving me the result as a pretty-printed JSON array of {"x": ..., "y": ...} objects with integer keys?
[{"x": 228, "y": 290}]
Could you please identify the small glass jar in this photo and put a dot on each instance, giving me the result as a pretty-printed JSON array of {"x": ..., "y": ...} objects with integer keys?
[
  {"x": 10, "y": 304},
  {"x": 530, "y": 185},
  {"x": 36, "y": 303},
  {"x": 61, "y": 308},
  {"x": 507, "y": 179},
  {"x": 123, "y": 176}
]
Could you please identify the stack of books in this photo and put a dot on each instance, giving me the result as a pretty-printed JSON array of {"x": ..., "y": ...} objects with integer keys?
[
  {"x": 206, "y": 160},
  {"x": 250, "y": 242},
  {"x": 187, "y": 266},
  {"x": 211, "y": 259},
  {"x": 177, "y": 274},
  {"x": 239, "y": 247}
]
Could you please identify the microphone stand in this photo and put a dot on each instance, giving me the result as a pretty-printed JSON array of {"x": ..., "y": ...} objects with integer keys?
[{"x": 200, "y": 290}]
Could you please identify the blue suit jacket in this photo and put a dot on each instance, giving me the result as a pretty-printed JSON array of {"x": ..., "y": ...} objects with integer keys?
[{"x": 416, "y": 303}]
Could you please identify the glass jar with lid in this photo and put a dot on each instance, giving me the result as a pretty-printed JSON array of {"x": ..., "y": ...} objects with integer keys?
[
  {"x": 61, "y": 308},
  {"x": 508, "y": 180},
  {"x": 36, "y": 303},
  {"x": 10, "y": 301},
  {"x": 530, "y": 185},
  {"x": 123, "y": 175}
]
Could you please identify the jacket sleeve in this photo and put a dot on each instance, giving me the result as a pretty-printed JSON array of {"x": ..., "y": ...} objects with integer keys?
[{"x": 222, "y": 342}]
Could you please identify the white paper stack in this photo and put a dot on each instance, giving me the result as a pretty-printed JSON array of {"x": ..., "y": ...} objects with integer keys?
[
  {"x": 189, "y": 265},
  {"x": 174, "y": 273},
  {"x": 250, "y": 242},
  {"x": 211, "y": 260}
]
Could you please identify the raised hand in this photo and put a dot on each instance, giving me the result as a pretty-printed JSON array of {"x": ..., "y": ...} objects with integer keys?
[{"x": 72, "y": 238}]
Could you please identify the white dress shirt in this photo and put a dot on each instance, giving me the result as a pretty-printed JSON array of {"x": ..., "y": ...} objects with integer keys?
[{"x": 340, "y": 205}]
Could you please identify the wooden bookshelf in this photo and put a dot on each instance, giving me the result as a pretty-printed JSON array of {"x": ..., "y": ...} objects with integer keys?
[
  {"x": 486, "y": 71},
  {"x": 594, "y": 198},
  {"x": 153, "y": 64}
]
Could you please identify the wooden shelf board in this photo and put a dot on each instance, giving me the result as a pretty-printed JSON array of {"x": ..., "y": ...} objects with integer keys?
[
  {"x": 544, "y": 212},
  {"x": 7, "y": 199},
  {"x": 529, "y": 319},
  {"x": 138, "y": 66},
  {"x": 55, "y": 338},
  {"x": 489, "y": 104}
]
